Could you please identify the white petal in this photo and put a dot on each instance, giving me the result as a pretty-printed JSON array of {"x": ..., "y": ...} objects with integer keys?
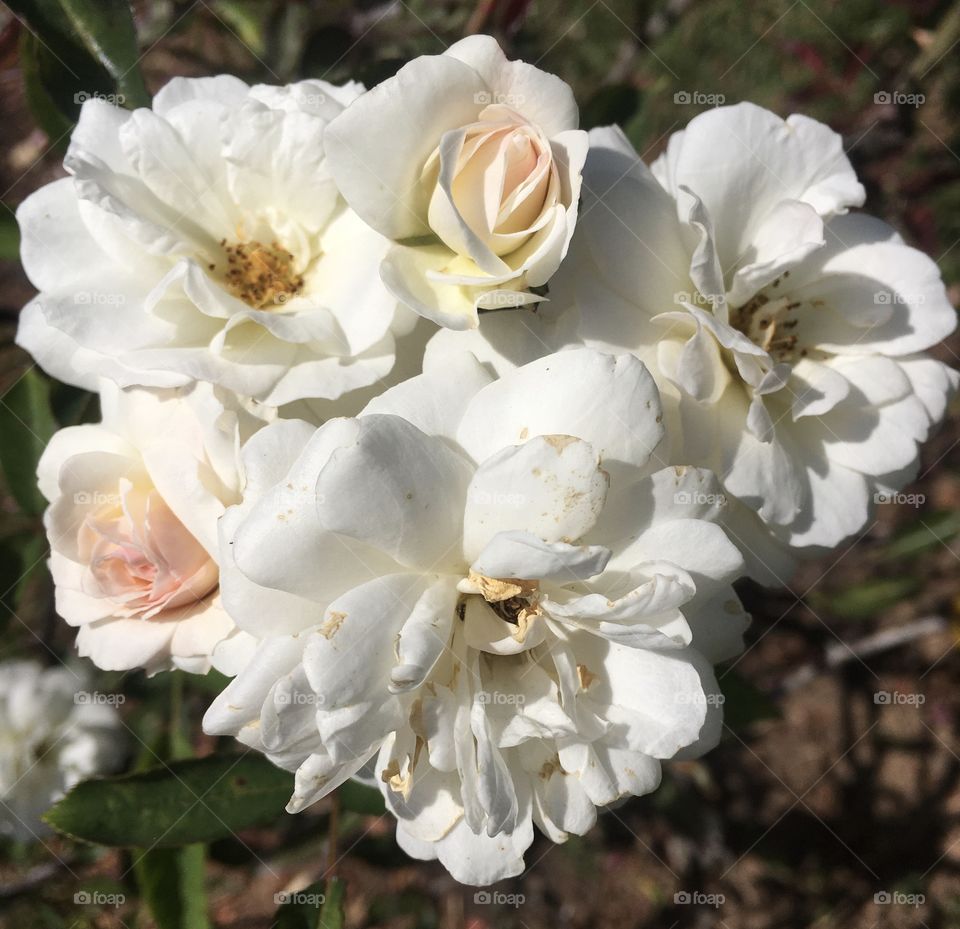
[
  {"x": 435, "y": 400},
  {"x": 283, "y": 531},
  {"x": 223, "y": 88},
  {"x": 609, "y": 773},
  {"x": 412, "y": 109},
  {"x": 700, "y": 548},
  {"x": 817, "y": 388},
  {"x": 718, "y": 625},
  {"x": 743, "y": 160},
  {"x": 123, "y": 644},
  {"x": 561, "y": 806},
  {"x": 875, "y": 293},
  {"x": 840, "y": 507},
  {"x": 317, "y": 777},
  {"x": 480, "y": 859},
  {"x": 504, "y": 340},
  {"x": 242, "y": 699},
  {"x": 55, "y": 246},
  {"x": 349, "y": 658},
  {"x": 413, "y": 274},
  {"x": 655, "y": 700},
  {"x": 543, "y": 98},
  {"x": 424, "y": 636},
  {"x": 610, "y": 402},
  {"x": 671, "y": 493},
  {"x": 398, "y": 490},
  {"x": 551, "y": 486},
  {"x": 790, "y": 232},
  {"x": 933, "y": 382},
  {"x": 431, "y": 808},
  {"x": 523, "y": 555}
]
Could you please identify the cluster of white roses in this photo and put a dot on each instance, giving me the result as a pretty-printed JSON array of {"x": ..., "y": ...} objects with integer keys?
[
  {"x": 52, "y": 736},
  {"x": 488, "y": 565}
]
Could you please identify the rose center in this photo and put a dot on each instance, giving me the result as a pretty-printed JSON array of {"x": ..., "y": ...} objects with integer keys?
[
  {"x": 143, "y": 558},
  {"x": 770, "y": 321},
  {"x": 262, "y": 276},
  {"x": 514, "y": 600}
]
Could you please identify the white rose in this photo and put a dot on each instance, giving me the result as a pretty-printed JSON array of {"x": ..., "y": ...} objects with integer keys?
[
  {"x": 203, "y": 239},
  {"x": 786, "y": 336},
  {"x": 480, "y": 155},
  {"x": 132, "y": 524},
  {"x": 53, "y": 735},
  {"x": 488, "y": 590}
]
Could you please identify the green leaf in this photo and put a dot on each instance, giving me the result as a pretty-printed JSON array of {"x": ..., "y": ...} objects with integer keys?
[
  {"x": 248, "y": 19},
  {"x": 616, "y": 103},
  {"x": 171, "y": 880},
  {"x": 9, "y": 234},
  {"x": 106, "y": 29},
  {"x": 12, "y": 562},
  {"x": 319, "y": 906},
  {"x": 32, "y": 597},
  {"x": 355, "y": 797},
  {"x": 331, "y": 914},
  {"x": 73, "y": 406},
  {"x": 866, "y": 600},
  {"x": 62, "y": 71},
  {"x": 26, "y": 424},
  {"x": 939, "y": 528},
  {"x": 49, "y": 117},
  {"x": 171, "y": 884},
  {"x": 743, "y": 703},
  {"x": 195, "y": 800}
]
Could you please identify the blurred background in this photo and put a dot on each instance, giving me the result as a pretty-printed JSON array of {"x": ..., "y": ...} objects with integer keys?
[{"x": 834, "y": 798}]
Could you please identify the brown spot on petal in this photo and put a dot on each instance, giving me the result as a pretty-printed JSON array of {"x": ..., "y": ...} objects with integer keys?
[
  {"x": 550, "y": 768},
  {"x": 560, "y": 442},
  {"x": 332, "y": 624},
  {"x": 586, "y": 676}
]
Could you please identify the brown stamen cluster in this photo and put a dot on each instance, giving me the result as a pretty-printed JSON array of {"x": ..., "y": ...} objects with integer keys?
[
  {"x": 514, "y": 600},
  {"x": 769, "y": 323},
  {"x": 260, "y": 275}
]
